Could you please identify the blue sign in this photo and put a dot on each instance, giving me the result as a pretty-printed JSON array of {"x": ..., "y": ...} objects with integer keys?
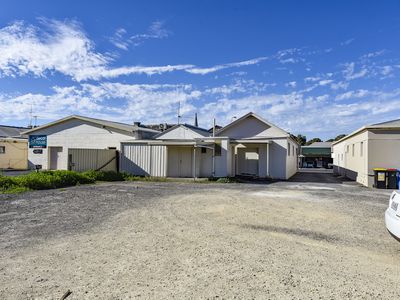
[{"x": 38, "y": 141}]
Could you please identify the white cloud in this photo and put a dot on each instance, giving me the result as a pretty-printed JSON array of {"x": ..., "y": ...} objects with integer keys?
[
  {"x": 122, "y": 40},
  {"x": 347, "y": 42},
  {"x": 325, "y": 82},
  {"x": 204, "y": 71},
  {"x": 353, "y": 94},
  {"x": 119, "y": 39},
  {"x": 291, "y": 84},
  {"x": 64, "y": 47},
  {"x": 350, "y": 73}
]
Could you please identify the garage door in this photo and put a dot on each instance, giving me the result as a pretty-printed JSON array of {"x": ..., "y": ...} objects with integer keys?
[{"x": 180, "y": 161}]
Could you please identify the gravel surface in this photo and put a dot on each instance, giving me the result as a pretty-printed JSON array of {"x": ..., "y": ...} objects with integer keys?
[{"x": 315, "y": 236}]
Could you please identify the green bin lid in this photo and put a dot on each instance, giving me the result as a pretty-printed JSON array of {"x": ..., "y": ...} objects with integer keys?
[{"x": 379, "y": 169}]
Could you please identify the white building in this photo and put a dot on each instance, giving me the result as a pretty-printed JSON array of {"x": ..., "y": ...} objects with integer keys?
[
  {"x": 372, "y": 146},
  {"x": 249, "y": 146},
  {"x": 51, "y": 145}
]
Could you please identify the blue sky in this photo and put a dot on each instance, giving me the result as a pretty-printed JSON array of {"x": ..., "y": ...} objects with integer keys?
[{"x": 319, "y": 68}]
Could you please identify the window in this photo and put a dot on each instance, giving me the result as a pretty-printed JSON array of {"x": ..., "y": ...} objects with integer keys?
[
  {"x": 217, "y": 150},
  {"x": 293, "y": 150},
  {"x": 288, "y": 149},
  {"x": 347, "y": 149},
  {"x": 203, "y": 150},
  {"x": 352, "y": 150},
  {"x": 361, "y": 148},
  {"x": 2, "y": 149},
  {"x": 342, "y": 156}
]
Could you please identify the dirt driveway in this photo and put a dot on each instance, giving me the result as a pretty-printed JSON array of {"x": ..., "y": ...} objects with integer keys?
[{"x": 286, "y": 240}]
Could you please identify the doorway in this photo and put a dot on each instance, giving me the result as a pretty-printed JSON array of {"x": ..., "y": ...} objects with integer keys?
[
  {"x": 55, "y": 158},
  {"x": 180, "y": 161}
]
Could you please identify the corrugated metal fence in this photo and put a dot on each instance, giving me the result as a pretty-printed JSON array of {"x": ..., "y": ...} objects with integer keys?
[
  {"x": 144, "y": 160},
  {"x": 92, "y": 159}
]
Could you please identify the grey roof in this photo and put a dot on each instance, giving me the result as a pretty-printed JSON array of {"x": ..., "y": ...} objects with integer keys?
[
  {"x": 111, "y": 124},
  {"x": 199, "y": 130},
  {"x": 392, "y": 124},
  {"x": 319, "y": 145},
  {"x": 11, "y": 131}
]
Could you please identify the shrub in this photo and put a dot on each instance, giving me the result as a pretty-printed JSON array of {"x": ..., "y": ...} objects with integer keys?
[
  {"x": 104, "y": 175},
  {"x": 7, "y": 183}
]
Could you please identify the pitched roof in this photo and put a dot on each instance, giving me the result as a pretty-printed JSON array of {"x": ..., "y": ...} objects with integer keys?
[
  {"x": 11, "y": 131},
  {"x": 110, "y": 124},
  {"x": 393, "y": 124},
  {"x": 199, "y": 130},
  {"x": 251, "y": 114},
  {"x": 319, "y": 145}
]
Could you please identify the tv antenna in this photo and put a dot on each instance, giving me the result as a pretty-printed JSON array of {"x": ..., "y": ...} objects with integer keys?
[{"x": 179, "y": 112}]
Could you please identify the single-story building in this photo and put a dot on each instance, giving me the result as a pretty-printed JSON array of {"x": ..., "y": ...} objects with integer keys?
[
  {"x": 249, "y": 146},
  {"x": 79, "y": 143},
  {"x": 372, "y": 146},
  {"x": 13, "y": 148},
  {"x": 316, "y": 155}
]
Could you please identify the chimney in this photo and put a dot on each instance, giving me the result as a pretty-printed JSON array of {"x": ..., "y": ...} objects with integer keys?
[{"x": 196, "y": 124}]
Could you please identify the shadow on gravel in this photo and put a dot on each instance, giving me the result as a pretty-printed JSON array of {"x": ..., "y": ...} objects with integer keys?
[{"x": 318, "y": 236}]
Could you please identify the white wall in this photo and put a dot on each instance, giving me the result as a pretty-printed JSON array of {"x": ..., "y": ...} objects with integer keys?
[
  {"x": 278, "y": 157},
  {"x": 144, "y": 160},
  {"x": 76, "y": 134},
  {"x": 251, "y": 127},
  {"x": 291, "y": 158},
  {"x": 349, "y": 163}
]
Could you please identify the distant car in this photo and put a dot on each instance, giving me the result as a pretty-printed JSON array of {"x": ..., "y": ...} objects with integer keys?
[{"x": 392, "y": 215}]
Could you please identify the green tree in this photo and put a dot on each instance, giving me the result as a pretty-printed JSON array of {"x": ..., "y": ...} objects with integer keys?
[
  {"x": 300, "y": 139},
  {"x": 340, "y": 136},
  {"x": 313, "y": 141}
]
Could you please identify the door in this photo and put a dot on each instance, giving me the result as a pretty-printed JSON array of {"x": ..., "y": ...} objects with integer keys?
[
  {"x": 248, "y": 161},
  {"x": 180, "y": 162},
  {"x": 55, "y": 158}
]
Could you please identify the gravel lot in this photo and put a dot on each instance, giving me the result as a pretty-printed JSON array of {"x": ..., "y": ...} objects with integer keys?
[{"x": 313, "y": 237}]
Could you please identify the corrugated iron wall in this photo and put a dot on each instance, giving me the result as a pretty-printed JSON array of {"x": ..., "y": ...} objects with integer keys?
[
  {"x": 144, "y": 160},
  {"x": 92, "y": 159}
]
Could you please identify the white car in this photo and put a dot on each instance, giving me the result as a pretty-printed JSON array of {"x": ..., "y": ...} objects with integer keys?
[{"x": 392, "y": 215}]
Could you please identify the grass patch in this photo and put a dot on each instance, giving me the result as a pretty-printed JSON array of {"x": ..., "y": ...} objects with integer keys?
[{"x": 45, "y": 180}]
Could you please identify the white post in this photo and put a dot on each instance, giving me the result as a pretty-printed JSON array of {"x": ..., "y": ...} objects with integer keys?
[
  {"x": 268, "y": 174},
  {"x": 194, "y": 163}
]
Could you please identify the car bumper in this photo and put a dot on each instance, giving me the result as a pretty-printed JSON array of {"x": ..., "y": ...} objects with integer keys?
[{"x": 392, "y": 223}]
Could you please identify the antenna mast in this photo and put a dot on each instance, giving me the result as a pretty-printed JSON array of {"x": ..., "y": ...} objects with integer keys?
[{"x": 179, "y": 112}]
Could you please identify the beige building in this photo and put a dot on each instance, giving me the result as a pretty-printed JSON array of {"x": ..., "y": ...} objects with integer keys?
[
  {"x": 13, "y": 148},
  {"x": 372, "y": 146}
]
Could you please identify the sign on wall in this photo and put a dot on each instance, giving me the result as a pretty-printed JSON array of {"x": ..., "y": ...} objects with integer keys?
[{"x": 38, "y": 141}]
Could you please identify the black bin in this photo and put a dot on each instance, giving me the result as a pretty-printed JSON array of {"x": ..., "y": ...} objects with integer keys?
[
  {"x": 391, "y": 178},
  {"x": 380, "y": 178}
]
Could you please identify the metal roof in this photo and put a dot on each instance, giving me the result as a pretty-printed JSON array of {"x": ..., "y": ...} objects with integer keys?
[
  {"x": 392, "y": 124},
  {"x": 11, "y": 131},
  {"x": 319, "y": 145},
  {"x": 110, "y": 124}
]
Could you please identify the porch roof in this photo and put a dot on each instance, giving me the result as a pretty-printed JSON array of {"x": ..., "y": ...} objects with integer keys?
[{"x": 169, "y": 142}]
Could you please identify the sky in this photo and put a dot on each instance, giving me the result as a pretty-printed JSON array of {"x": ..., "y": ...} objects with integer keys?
[{"x": 317, "y": 68}]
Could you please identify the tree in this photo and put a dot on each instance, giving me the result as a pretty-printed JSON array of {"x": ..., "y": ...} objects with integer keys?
[
  {"x": 300, "y": 139},
  {"x": 314, "y": 140},
  {"x": 330, "y": 140},
  {"x": 340, "y": 136}
]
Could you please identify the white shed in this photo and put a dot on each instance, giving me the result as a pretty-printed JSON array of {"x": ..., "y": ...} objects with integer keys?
[{"x": 53, "y": 146}]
